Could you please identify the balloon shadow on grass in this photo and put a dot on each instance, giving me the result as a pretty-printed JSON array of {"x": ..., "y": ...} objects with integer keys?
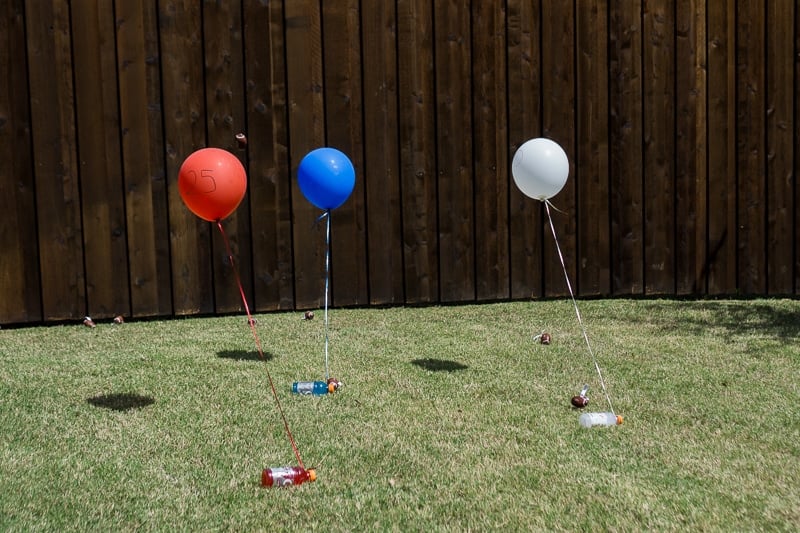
[
  {"x": 243, "y": 355},
  {"x": 121, "y": 401},
  {"x": 439, "y": 365}
]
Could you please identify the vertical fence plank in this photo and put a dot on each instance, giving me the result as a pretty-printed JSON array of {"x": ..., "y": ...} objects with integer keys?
[
  {"x": 306, "y": 132},
  {"x": 591, "y": 163},
  {"x": 225, "y": 103},
  {"x": 20, "y": 291},
  {"x": 143, "y": 158},
  {"x": 524, "y": 123},
  {"x": 751, "y": 147},
  {"x": 418, "y": 150},
  {"x": 381, "y": 153},
  {"x": 454, "y": 150},
  {"x": 56, "y": 171},
  {"x": 659, "y": 146},
  {"x": 690, "y": 147},
  {"x": 721, "y": 128},
  {"x": 490, "y": 147},
  {"x": 267, "y": 151},
  {"x": 180, "y": 25},
  {"x": 558, "y": 122},
  {"x": 626, "y": 149},
  {"x": 780, "y": 150},
  {"x": 796, "y": 167},
  {"x": 98, "y": 127},
  {"x": 344, "y": 120}
]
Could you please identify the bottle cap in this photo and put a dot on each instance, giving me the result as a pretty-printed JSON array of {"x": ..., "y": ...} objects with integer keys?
[
  {"x": 331, "y": 387},
  {"x": 312, "y": 474},
  {"x": 619, "y": 419}
]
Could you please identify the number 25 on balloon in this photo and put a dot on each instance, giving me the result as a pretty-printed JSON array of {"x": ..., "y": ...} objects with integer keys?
[{"x": 202, "y": 181}]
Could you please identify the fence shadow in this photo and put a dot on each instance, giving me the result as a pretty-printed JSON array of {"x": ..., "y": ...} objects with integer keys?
[
  {"x": 737, "y": 318},
  {"x": 439, "y": 365},
  {"x": 121, "y": 401}
]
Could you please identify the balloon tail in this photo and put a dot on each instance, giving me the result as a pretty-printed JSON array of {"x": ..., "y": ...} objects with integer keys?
[
  {"x": 575, "y": 304},
  {"x": 252, "y": 324}
]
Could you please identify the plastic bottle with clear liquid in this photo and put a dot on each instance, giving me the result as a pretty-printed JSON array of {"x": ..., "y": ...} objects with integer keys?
[
  {"x": 285, "y": 476},
  {"x": 588, "y": 420}
]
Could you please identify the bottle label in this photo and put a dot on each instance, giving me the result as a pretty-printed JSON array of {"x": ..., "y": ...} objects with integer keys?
[
  {"x": 305, "y": 387},
  {"x": 281, "y": 477}
]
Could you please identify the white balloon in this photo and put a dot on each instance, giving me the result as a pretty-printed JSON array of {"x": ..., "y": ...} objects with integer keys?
[{"x": 540, "y": 168}]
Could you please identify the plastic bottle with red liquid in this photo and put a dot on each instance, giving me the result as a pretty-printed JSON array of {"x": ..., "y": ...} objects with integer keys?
[{"x": 285, "y": 476}]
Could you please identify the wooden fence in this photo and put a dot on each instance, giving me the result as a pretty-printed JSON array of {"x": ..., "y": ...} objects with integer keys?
[{"x": 679, "y": 118}]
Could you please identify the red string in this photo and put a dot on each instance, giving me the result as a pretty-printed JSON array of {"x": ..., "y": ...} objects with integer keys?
[{"x": 252, "y": 324}]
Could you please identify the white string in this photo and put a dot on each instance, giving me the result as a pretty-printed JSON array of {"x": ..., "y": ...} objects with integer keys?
[
  {"x": 327, "y": 215},
  {"x": 575, "y": 304}
]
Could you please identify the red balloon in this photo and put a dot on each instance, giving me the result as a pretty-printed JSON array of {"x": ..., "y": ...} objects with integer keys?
[{"x": 212, "y": 183}]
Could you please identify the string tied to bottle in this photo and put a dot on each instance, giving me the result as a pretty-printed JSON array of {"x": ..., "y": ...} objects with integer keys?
[
  {"x": 547, "y": 206},
  {"x": 252, "y": 323},
  {"x": 327, "y": 217}
]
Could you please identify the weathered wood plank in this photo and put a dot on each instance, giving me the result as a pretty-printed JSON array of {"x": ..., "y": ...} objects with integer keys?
[
  {"x": 344, "y": 126},
  {"x": 591, "y": 164},
  {"x": 20, "y": 289},
  {"x": 781, "y": 126},
  {"x": 797, "y": 160},
  {"x": 56, "y": 164},
  {"x": 490, "y": 159},
  {"x": 381, "y": 154},
  {"x": 452, "y": 60},
  {"x": 751, "y": 148},
  {"x": 558, "y": 123},
  {"x": 306, "y": 132},
  {"x": 524, "y": 123},
  {"x": 225, "y": 117},
  {"x": 659, "y": 146},
  {"x": 418, "y": 150},
  {"x": 180, "y": 24},
  {"x": 626, "y": 150},
  {"x": 721, "y": 125},
  {"x": 691, "y": 148},
  {"x": 267, "y": 152},
  {"x": 143, "y": 158},
  {"x": 99, "y": 148}
]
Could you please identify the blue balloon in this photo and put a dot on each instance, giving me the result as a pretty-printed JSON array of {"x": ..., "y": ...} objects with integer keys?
[{"x": 326, "y": 177}]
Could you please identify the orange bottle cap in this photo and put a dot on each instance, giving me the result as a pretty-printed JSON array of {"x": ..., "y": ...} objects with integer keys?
[
  {"x": 312, "y": 474},
  {"x": 619, "y": 419}
]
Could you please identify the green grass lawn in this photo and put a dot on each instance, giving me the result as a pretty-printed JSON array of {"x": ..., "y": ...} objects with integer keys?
[{"x": 451, "y": 418}]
